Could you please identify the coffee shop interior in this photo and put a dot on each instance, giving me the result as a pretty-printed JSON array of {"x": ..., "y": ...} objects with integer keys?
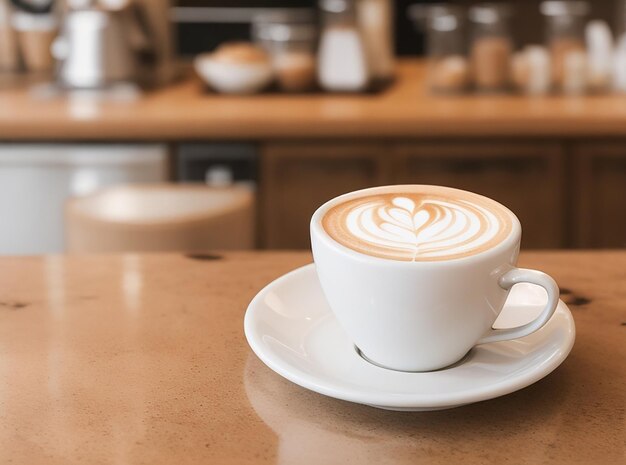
[
  {"x": 180, "y": 283},
  {"x": 151, "y": 125}
]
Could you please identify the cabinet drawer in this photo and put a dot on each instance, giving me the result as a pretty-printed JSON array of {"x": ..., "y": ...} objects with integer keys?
[
  {"x": 600, "y": 195},
  {"x": 526, "y": 177},
  {"x": 296, "y": 178}
]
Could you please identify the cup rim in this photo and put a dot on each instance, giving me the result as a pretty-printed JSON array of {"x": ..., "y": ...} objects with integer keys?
[{"x": 316, "y": 228}]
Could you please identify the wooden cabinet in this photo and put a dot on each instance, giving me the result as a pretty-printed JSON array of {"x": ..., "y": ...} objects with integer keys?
[
  {"x": 298, "y": 177},
  {"x": 599, "y": 195},
  {"x": 527, "y": 177}
]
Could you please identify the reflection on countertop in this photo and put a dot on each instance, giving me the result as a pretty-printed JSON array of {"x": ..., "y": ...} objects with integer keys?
[{"x": 142, "y": 358}]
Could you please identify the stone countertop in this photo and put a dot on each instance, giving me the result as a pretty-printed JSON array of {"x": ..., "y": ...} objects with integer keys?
[
  {"x": 142, "y": 359},
  {"x": 185, "y": 111}
]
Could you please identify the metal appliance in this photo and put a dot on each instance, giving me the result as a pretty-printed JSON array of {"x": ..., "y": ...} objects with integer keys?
[{"x": 107, "y": 42}]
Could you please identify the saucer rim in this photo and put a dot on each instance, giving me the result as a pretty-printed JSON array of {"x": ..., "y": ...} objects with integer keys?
[{"x": 402, "y": 401}]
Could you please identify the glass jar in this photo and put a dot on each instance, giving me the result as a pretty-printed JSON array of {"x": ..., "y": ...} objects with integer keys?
[
  {"x": 286, "y": 16},
  {"x": 342, "y": 61},
  {"x": 491, "y": 48},
  {"x": 443, "y": 26},
  {"x": 619, "y": 70},
  {"x": 566, "y": 41},
  {"x": 292, "y": 50},
  {"x": 530, "y": 70}
]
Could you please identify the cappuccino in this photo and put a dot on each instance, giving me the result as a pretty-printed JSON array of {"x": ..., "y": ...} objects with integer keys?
[
  {"x": 419, "y": 223},
  {"x": 417, "y": 275}
]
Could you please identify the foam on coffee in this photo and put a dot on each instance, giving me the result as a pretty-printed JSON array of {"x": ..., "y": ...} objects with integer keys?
[{"x": 419, "y": 226}]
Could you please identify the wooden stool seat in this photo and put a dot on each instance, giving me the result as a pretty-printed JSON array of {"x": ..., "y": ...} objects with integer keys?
[{"x": 161, "y": 217}]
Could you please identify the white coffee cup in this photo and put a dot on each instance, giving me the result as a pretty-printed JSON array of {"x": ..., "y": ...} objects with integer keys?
[{"x": 422, "y": 315}]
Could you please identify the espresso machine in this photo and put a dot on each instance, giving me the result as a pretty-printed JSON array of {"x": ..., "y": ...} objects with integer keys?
[{"x": 106, "y": 42}]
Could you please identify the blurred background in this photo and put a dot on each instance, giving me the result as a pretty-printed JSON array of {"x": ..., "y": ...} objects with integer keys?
[{"x": 198, "y": 125}]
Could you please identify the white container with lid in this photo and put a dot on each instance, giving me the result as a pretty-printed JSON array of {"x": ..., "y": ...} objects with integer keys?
[{"x": 342, "y": 62}]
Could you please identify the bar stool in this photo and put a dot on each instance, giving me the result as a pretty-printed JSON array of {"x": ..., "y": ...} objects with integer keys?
[{"x": 161, "y": 217}]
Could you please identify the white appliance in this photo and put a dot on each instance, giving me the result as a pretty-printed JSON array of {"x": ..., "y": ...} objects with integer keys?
[{"x": 36, "y": 180}]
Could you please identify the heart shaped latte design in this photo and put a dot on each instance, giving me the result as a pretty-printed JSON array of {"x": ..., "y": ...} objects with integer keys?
[{"x": 415, "y": 227}]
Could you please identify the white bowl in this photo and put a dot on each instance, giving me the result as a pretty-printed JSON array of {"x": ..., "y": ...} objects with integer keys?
[{"x": 233, "y": 78}]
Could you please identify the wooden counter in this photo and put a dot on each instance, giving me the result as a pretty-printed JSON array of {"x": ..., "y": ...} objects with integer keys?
[
  {"x": 142, "y": 359},
  {"x": 182, "y": 112}
]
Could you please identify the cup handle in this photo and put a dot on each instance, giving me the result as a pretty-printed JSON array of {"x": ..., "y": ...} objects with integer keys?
[{"x": 522, "y": 275}]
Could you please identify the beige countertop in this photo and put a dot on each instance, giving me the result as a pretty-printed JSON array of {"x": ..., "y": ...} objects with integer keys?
[
  {"x": 142, "y": 359},
  {"x": 183, "y": 111}
]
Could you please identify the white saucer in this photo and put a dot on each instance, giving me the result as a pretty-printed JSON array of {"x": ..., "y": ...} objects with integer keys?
[{"x": 293, "y": 331}]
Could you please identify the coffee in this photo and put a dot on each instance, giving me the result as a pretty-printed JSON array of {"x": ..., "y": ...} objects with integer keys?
[
  {"x": 421, "y": 223},
  {"x": 385, "y": 261}
]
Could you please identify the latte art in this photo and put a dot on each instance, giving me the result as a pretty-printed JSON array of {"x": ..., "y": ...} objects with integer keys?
[{"x": 418, "y": 226}]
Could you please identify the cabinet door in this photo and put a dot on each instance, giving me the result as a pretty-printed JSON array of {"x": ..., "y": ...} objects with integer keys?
[
  {"x": 527, "y": 177},
  {"x": 298, "y": 177},
  {"x": 600, "y": 195}
]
